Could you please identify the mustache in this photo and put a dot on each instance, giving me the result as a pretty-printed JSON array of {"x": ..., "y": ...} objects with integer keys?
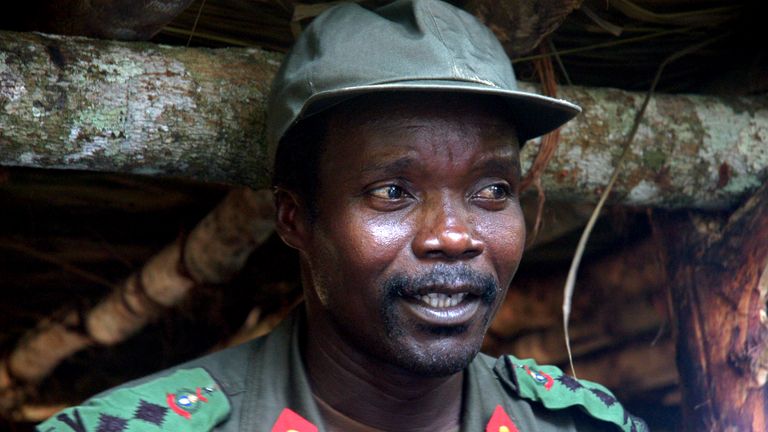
[{"x": 455, "y": 277}]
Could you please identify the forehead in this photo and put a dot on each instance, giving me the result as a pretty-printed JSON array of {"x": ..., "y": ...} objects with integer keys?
[{"x": 401, "y": 119}]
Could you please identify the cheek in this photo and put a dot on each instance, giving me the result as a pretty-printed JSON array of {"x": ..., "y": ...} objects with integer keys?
[
  {"x": 504, "y": 236},
  {"x": 360, "y": 246},
  {"x": 377, "y": 238},
  {"x": 385, "y": 233}
]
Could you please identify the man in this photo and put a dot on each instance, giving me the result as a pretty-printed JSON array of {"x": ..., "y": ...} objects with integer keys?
[{"x": 396, "y": 138}]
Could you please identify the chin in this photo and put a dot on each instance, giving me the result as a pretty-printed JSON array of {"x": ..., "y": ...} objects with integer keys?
[
  {"x": 430, "y": 351},
  {"x": 436, "y": 363}
]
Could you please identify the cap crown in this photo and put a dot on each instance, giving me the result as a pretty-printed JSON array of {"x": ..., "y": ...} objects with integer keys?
[{"x": 406, "y": 45}]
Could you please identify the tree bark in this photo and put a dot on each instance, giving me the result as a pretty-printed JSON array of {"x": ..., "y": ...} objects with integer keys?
[
  {"x": 75, "y": 103},
  {"x": 718, "y": 270}
]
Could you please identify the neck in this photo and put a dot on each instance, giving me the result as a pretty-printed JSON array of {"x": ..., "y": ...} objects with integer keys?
[{"x": 378, "y": 394}]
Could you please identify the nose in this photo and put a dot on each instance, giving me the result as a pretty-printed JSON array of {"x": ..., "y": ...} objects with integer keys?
[{"x": 446, "y": 232}]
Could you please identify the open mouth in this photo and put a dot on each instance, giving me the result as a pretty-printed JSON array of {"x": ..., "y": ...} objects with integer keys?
[
  {"x": 439, "y": 309},
  {"x": 440, "y": 301}
]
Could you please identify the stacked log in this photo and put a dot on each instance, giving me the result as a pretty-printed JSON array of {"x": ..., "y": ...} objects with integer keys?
[
  {"x": 212, "y": 253},
  {"x": 619, "y": 332}
]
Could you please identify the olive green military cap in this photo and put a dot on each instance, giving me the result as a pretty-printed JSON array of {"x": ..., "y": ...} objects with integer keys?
[{"x": 407, "y": 45}]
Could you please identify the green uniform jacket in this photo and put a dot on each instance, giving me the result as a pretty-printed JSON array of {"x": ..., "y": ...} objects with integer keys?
[{"x": 246, "y": 388}]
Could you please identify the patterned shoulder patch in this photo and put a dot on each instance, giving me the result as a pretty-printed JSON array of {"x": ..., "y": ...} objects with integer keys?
[
  {"x": 556, "y": 390},
  {"x": 187, "y": 400}
]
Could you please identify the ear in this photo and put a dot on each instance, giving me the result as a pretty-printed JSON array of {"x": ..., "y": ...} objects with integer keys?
[{"x": 291, "y": 221}]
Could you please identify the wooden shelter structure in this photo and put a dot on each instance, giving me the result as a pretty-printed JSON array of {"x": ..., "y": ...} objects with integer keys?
[{"x": 135, "y": 234}]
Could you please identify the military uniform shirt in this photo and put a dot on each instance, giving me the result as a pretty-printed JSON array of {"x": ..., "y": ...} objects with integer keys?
[{"x": 262, "y": 385}]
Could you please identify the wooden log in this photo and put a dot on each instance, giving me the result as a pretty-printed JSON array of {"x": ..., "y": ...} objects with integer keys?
[
  {"x": 133, "y": 107},
  {"x": 611, "y": 346},
  {"x": 632, "y": 368},
  {"x": 107, "y": 19},
  {"x": 521, "y": 25},
  {"x": 613, "y": 327},
  {"x": 619, "y": 309},
  {"x": 619, "y": 293},
  {"x": 690, "y": 151},
  {"x": 718, "y": 270},
  {"x": 212, "y": 253},
  {"x": 142, "y": 108}
]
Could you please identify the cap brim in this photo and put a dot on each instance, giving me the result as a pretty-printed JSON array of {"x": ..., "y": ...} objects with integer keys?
[{"x": 534, "y": 115}]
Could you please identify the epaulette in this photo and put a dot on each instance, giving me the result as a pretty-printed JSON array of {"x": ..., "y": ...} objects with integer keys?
[
  {"x": 555, "y": 390},
  {"x": 187, "y": 400}
]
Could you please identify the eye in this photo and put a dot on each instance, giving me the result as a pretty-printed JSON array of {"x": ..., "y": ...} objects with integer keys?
[
  {"x": 389, "y": 192},
  {"x": 494, "y": 192}
]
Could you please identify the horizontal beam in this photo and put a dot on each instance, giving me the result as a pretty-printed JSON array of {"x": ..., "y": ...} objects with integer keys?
[
  {"x": 76, "y": 103},
  {"x": 691, "y": 151}
]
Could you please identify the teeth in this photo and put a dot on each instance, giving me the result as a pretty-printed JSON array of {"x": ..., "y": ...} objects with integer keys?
[{"x": 436, "y": 300}]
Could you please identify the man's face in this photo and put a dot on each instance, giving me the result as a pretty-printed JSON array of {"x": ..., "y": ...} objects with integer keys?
[{"x": 418, "y": 231}]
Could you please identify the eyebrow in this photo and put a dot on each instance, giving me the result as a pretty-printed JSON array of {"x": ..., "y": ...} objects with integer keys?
[
  {"x": 499, "y": 166},
  {"x": 398, "y": 165}
]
